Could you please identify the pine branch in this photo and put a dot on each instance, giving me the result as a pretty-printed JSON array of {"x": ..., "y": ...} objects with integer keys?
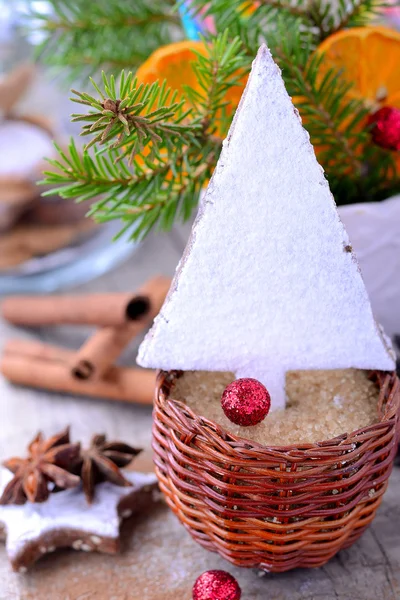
[
  {"x": 321, "y": 16},
  {"x": 140, "y": 197},
  {"x": 84, "y": 36},
  {"x": 355, "y": 167},
  {"x": 150, "y": 153},
  {"x": 221, "y": 69},
  {"x": 336, "y": 121},
  {"x": 120, "y": 21},
  {"x": 322, "y": 101},
  {"x": 347, "y": 13},
  {"x": 135, "y": 116},
  {"x": 300, "y": 9},
  {"x": 149, "y": 157}
]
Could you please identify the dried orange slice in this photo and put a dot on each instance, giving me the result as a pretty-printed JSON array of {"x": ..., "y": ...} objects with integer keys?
[
  {"x": 369, "y": 58},
  {"x": 174, "y": 63}
]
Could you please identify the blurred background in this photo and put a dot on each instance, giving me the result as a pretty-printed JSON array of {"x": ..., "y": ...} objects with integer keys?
[{"x": 46, "y": 244}]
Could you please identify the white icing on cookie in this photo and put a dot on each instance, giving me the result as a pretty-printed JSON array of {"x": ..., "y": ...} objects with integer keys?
[{"x": 67, "y": 510}]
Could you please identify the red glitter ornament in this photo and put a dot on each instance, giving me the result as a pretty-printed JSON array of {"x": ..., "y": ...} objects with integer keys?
[
  {"x": 246, "y": 402},
  {"x": 386, "y": 127},
  {"x": 216, "y": 585}
]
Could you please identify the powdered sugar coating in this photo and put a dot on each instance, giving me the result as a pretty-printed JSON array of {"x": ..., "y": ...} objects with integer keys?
[{"x": 268, "y": 282}]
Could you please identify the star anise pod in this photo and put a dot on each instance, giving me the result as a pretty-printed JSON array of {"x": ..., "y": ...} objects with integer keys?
[
  {"x": 48, "y": 461},
  {"x": 102, "y": 461}
]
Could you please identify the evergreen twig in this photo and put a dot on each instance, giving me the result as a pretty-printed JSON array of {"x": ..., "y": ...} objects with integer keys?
[
  {"x": 135, "y": 115},
  {"x": 298, "y": 10},
  {"x": 318, "y": 15},
  {"x": 83, "y": 36},
  {"x": 335, "y": 120},
  {"x": 150, "y": 152}
]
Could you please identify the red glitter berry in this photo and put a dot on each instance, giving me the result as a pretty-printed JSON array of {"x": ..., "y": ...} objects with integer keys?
[
  {"x": 246, "y": 402},
  {"x": 216, "y": 585},
  {"x": 386, "y": 127}
]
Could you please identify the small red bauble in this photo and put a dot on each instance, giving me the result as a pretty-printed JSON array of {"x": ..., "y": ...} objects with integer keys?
[
  {"x": 246, "y": 402},
  {"x": 386, "y": 127},
  {"x": 216, "y": 585}
]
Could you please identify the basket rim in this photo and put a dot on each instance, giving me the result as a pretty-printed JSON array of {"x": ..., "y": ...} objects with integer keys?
[{"x": 388, "y": 408}]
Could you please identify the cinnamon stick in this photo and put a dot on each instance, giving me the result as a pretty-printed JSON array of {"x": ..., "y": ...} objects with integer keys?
[
  {"x": 124, "y": 385},
  {"x": 92, "y": 309},
  {"x": 103, "y": 348},
  {"x": 36, "y": 349}
]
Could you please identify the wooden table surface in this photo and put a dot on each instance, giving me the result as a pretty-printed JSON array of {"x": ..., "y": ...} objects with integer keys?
[{"x": 160, "y": 561}]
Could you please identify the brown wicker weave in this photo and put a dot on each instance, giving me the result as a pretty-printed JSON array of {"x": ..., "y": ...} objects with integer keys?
[{"x": 275, "y": 508}]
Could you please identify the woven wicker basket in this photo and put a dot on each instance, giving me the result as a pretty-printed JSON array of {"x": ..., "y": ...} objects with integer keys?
[{"x": 274, "y": 508}]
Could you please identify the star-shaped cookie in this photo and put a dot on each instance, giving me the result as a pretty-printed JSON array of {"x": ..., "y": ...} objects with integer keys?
[{"x": 66, "y": 520}]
